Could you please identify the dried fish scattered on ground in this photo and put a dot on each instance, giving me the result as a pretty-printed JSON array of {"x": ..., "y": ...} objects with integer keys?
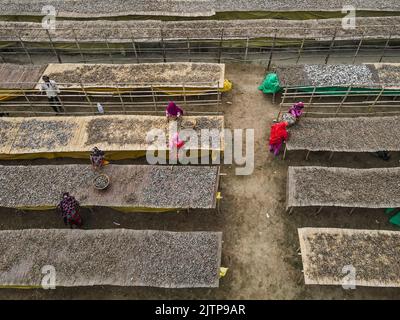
[
  {"x": 161, "y": 74},
  {"x": 327, "y": 252},
  {"x": 132, "y": 186},
  {"x": 117, "y": 257},
  {"x": 81, "y": 8},
  {"x": 154, "y": 30},
  {"x": 343, "y": 187},
  {"x": 363, "y": 134}
]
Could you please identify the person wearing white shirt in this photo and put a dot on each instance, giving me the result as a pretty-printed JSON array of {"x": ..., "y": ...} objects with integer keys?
[{"x": 51, "y": 89}]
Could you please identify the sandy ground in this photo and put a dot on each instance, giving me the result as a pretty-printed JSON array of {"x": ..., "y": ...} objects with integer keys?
[{"x": 260, "y": 239}]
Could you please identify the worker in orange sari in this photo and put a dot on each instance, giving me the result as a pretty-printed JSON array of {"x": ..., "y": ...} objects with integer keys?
[{"x": 97, "y": 158}]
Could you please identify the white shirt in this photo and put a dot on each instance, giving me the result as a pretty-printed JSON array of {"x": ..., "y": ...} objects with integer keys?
[{"x": 51, "y": 88}]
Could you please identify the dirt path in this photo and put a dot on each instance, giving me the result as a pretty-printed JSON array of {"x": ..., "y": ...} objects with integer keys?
[{"x": 260, "y": 239}]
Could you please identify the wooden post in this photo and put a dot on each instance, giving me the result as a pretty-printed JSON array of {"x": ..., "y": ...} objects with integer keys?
[
  {"x": 331, "y": 46},
  {"x": 87, "y": 98},
  {"x": 247, "y": 49},
  {"x": 27, "y": 100},
  {"x": 184, "y": 95},
  {"x": 154, "y": 98},
  {"x": 272, "y": 50},
  {"x": 282, "y": 102},
  {"x": 343, "y": 100},
  {"x": 188, "y": 49},
  {"x": 358, "y": 48},
  {"x": 134, "y": 46},
  {"x": 386, "y": 45},
  {"x": 310, "y": 101},
  {"x": 120, "y": 98},
  {"x": 284, "y": 152},
  {"x": 301, "y": 47},
  {"x": 220, "y": 45},
  {"x": 371, "y": 107},
  {"x": 109, "y": 50},
  {"x": 53, "y": 47},
  {"x": 163, "y": 45},
  {"x": 78, "y": 46},
  {"x": 218, "y": 97},
  {"x": 25, "y": 49}
]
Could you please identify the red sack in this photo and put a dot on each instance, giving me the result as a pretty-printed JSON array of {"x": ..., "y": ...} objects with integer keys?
[{"x": 278, "y": 133}]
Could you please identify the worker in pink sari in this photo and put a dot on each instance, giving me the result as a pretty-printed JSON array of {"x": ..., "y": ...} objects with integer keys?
[{"x": 173, "y": 111}]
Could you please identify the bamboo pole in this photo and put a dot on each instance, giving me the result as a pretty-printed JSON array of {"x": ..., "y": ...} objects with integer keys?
[
  {"x": 272, "y": 50},
  {"x": 331, "y": 46},
  {"x": 53, "y": 47}
]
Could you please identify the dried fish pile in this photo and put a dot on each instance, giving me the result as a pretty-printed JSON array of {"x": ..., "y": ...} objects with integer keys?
[
  {"x": 363, "y": 134},
  {"x": 36, "y": 186},
  {"x": 343, "y": 187},
  {"x": 117, "y": 257},
  {"x": 6, "y": 138},
  {"x": 48, "y": 134},
  {"x": 367, "y": 75},
  {"x": 99, "y": 8},
  {"x": 181, "y": 186},
  {"x": 59, "y": 136},
  {"x": 294, "y": 75},
  {"x": 388, "y": 74},
  {"x": 154, "y": 30},
  {"x": 374, "y": 255},
  {"x": 130, "y": 130},
  {"x": 158, "y": 187},
  {"x": 122, "y": 131},
  {"x": 336, "y": 75},
  {"x": 81, "y": 8},
  {"x": 165, "y": 74}
]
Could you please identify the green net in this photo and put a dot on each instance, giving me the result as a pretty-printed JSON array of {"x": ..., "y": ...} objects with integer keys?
[{"x": 270, "y": 84}]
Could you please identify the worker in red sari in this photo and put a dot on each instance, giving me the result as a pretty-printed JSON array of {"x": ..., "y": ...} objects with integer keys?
[
  {"x": 277, "y": 137},
  {"x": 69, "y": 208},
  {"x": 173, "y": 111}
]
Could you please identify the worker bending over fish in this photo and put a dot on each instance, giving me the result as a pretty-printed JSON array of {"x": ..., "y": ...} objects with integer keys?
[
  {"x": 97, "y": 158},
  {"x": 279, "y": 133},
  {"x": 69, "y": 208},
  {"x": 173, "y": 111}
]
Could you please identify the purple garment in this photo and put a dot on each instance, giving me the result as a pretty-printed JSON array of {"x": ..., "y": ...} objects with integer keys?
[
  {"x": 296, "y": 110},
  {"x": 173, "y": 109},
  {"x": 275, "y": 148}
]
